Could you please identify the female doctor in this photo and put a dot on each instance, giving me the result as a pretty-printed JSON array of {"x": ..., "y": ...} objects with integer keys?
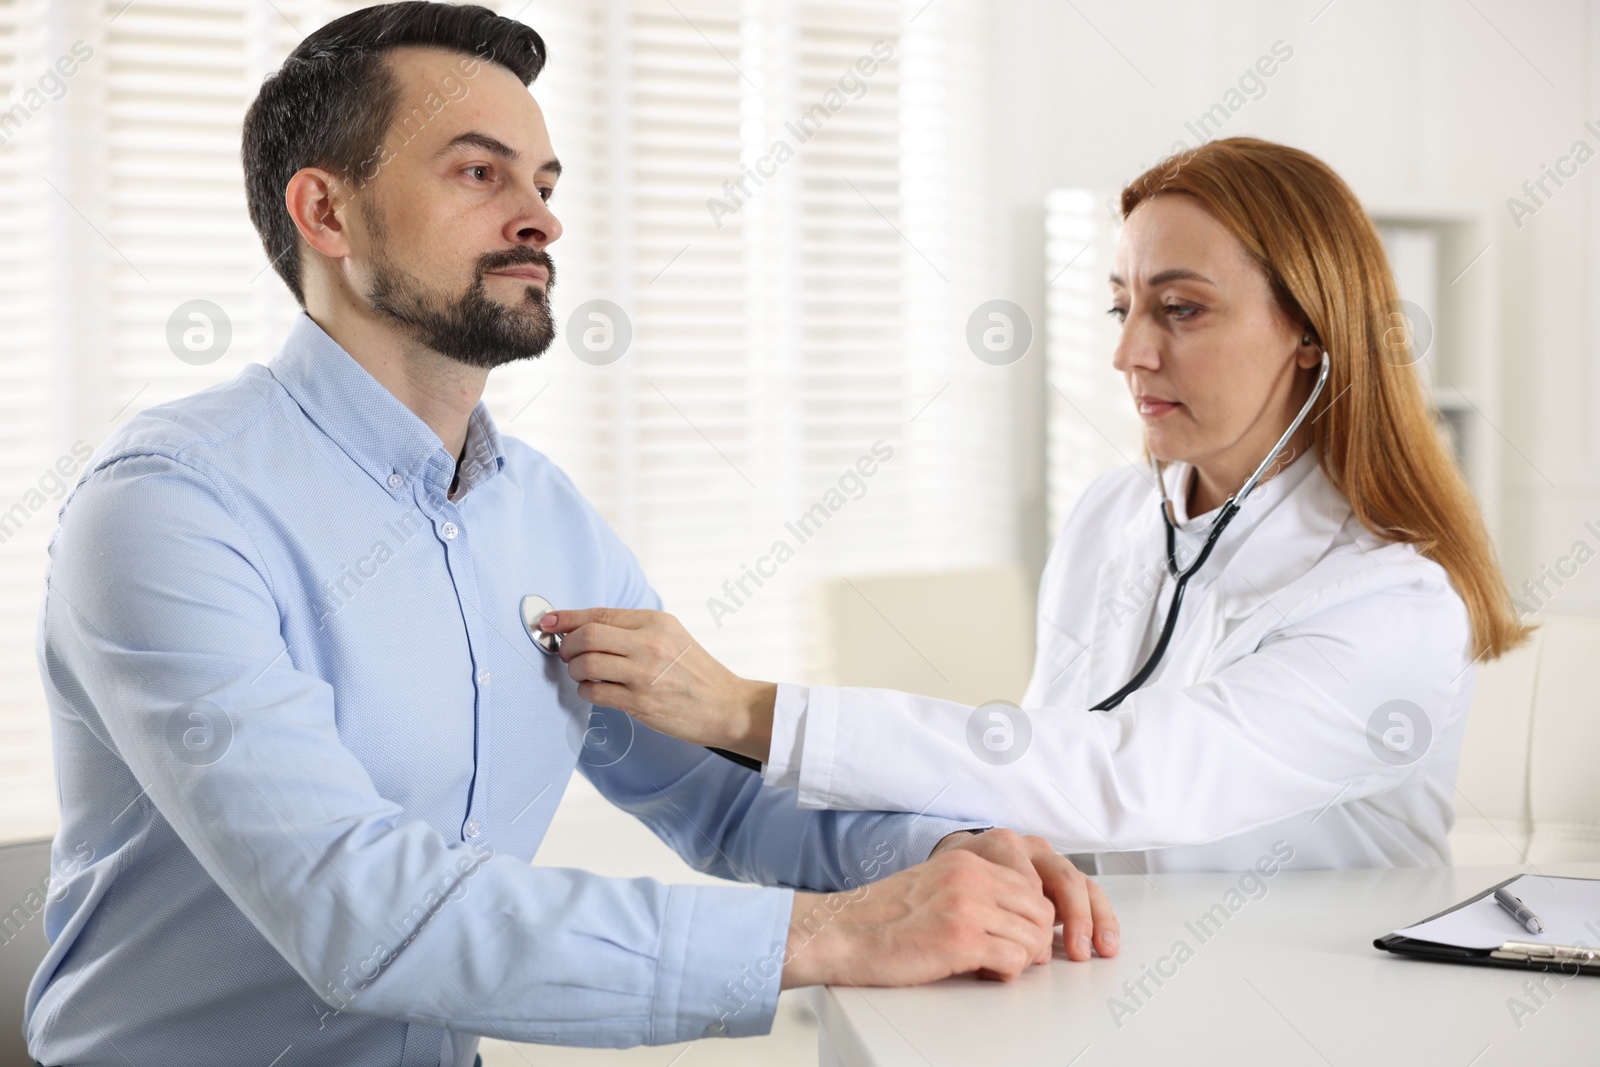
[{"x": 1309, "y": 703}]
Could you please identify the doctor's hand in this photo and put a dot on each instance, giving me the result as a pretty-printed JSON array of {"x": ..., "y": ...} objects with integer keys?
[
  {"x": 956, "y": 913},
  {"x": 645, "y": 663},
  {"x": 1081, "y": 907}
]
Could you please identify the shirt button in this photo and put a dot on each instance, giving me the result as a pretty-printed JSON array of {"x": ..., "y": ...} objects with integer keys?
[
  {"x": 483, "y": 676},
  {"x": 395, "y": 481},
  {"x": 449, "y": 531},
  {"x": 474, "y": 828}
]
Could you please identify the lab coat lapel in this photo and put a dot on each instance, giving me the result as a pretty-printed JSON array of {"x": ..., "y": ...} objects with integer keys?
[{"x": 1282, "y": 547}]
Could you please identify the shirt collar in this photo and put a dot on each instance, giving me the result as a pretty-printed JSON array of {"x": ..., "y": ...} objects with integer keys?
[
  {"x": 481, "y": 455},
  {"x": 383, "y": 436}
]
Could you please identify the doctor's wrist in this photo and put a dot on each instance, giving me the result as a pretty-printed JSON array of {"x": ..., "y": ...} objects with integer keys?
[{"x": 750, "y": 730}]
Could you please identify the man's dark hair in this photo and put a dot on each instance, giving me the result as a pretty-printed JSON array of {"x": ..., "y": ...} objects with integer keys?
[{"x": 333, "y": 99}]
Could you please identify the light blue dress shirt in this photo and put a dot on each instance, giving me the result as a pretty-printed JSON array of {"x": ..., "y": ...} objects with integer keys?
[{"x": 305, "y": 752}]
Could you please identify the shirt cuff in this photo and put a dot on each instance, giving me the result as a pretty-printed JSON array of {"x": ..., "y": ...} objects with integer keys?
[
  {"x": 721, "y": 962},
  {"x": 782, "y": 768},
  {"x": 927, "y": 831}
]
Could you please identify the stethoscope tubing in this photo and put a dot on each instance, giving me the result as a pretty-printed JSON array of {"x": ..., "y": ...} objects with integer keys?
[{"x": 1171, "y": 624}]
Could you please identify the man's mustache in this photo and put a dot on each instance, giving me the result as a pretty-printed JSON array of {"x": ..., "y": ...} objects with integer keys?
[{"x": 519, "y": 257}]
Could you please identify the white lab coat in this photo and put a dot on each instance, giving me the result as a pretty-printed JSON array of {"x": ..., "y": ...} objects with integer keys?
[{"x": 1259, "y": 727}]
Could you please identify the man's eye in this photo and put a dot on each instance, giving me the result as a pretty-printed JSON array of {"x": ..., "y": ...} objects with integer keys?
[
  {"x": 478, "y": 167},
  {"x": 545, "y": 193}
]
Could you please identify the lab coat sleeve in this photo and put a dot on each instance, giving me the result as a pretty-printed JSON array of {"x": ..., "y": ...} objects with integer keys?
[
  {"x": 782, "y": 768},
  {"x": 1284, "y": 730},
  {"x": 720, "y": 817},
  {"x": 160, "y": 623}
]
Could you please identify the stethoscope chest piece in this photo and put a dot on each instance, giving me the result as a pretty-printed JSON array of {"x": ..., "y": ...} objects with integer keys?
[{"x": 534, "y": 608}]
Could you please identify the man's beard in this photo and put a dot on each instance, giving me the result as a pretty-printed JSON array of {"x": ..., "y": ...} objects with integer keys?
[{"x": 473, "y": 328}]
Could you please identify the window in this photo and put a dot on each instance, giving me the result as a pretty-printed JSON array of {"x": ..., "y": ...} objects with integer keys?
[
  {"x": 1091, "y": 427},
  {"x": 31, "y": 435}
]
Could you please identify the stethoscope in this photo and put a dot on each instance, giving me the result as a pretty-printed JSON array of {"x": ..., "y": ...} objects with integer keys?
[
  {"x": 1220, "y": 523},
  {"x": 535, "y": 607}
]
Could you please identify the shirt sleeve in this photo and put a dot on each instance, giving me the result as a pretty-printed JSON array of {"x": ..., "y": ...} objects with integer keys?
[
  {"x": 164, "y": 632},
  {"x": 1283, "y": 731}
]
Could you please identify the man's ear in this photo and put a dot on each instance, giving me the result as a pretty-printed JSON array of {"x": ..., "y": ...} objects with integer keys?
[{"x": 317, "y": 202}]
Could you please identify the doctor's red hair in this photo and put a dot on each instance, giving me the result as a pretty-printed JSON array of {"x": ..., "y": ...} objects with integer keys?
[{"x": 1374, "y": 428}]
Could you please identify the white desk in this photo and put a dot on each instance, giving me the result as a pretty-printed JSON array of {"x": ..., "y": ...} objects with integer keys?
[{"x": 1289, "y": 978}]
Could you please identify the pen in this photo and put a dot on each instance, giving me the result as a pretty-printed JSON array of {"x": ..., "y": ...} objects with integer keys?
[{"x": 1519, "y": 911}]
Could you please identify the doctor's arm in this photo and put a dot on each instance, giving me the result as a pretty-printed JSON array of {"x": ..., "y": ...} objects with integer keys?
[
  {"x": 1281, "y": 732},
  {"x": 744, "y": 830}
]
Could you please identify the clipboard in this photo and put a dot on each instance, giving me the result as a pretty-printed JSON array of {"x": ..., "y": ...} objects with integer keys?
[{"x": 1569, "y": 960}]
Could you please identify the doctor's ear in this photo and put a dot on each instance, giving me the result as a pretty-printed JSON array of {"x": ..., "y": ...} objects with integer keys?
[{"x": 1309, "y": 354}]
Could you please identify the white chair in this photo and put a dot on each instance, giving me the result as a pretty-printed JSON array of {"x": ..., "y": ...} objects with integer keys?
[
  {"x": 1528, "y": 789},
  {"x": 962, "y": 635}
]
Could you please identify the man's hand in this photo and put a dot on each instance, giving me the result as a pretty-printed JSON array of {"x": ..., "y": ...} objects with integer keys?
[
  {"x": 645, "y": 663},
  {"x": 1081, "y": 907},
  {"x": 957, "y": 913}
]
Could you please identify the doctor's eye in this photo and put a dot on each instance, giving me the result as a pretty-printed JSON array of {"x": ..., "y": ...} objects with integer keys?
[
  {"x": 1120, "y": 314},
  {"x": 1187, "y": 309}
]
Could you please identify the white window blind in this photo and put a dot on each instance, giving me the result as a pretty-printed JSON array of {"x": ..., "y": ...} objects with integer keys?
[
  {"x": 775, "y": 339},
  {"x": 178, "y": 77},
  {"x": 1092, "y": 426},
  {"x": 29, "y": 441}
]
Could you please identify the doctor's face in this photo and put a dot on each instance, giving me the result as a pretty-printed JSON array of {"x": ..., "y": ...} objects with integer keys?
[{"x": 1209, "y": 357}]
